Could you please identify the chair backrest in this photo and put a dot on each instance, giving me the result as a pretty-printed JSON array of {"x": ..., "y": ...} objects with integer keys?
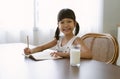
[{"x": 104, "y": 47}]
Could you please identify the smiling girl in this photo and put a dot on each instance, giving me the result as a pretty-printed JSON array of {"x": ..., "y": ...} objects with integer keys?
[{"x": 68, "y": 25}]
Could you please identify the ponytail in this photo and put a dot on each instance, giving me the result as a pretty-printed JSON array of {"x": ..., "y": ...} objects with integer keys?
[
  {"x": 77, "y": 29},
  {"x": 57, "y": 32}
]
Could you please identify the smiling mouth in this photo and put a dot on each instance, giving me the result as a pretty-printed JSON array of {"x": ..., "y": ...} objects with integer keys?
[{"x": 66, "y": 29}]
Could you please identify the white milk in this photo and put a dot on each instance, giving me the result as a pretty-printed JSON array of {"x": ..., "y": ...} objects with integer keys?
[{"x": 74, "y": 57}]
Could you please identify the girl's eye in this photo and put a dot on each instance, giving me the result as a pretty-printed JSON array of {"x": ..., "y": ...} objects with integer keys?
[
  {"x": 69, "y": 21},
  {"x": 61, "y": 22}
]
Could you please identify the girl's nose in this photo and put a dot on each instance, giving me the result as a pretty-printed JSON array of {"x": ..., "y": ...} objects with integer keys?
[{"x": 66, "y": 24}]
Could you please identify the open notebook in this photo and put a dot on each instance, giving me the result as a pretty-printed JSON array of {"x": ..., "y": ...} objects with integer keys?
[{"x": 43, "y": 55}]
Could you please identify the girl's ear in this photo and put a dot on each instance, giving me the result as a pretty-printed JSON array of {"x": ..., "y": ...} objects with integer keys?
[
  {"x": 75, "y": 23},
  {"x": 58, "y": 24}
]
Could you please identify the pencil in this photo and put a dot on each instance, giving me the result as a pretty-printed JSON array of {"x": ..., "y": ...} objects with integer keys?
[{"x": 27, "y": 41}]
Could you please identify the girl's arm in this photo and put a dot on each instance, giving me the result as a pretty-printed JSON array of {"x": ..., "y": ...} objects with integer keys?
[
  {"x": 41, "y": 47},
  {"x": 85, "y": 51}
]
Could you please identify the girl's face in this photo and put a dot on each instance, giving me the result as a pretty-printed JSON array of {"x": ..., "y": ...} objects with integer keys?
[{"x": 66, "y": 26}]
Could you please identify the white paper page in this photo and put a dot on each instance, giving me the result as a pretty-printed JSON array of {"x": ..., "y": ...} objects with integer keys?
[{"x": 44, "y": 55}]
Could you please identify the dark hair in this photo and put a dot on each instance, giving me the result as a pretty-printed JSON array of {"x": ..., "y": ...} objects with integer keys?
[{"x": 66, "y": 13}]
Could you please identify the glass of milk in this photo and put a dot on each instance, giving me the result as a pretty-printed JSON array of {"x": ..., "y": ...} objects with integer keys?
[{"x": 75, "y": 55}]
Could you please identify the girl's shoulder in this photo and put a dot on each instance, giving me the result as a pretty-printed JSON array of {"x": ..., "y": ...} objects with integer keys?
[
  {"x": 77, "y": 39},
  {"x": 60, "y": 37}
]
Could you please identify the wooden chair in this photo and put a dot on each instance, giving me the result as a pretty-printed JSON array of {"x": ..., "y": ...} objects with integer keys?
[{"x": 104, "y": 47}]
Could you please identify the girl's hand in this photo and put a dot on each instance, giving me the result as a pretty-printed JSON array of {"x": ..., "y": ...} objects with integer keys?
[
  {"x": 27, "y": 51},
  {"x": 60, "y": 54}
]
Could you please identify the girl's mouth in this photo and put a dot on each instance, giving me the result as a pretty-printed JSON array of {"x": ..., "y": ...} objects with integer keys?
[{"x": 66, "y": 29}]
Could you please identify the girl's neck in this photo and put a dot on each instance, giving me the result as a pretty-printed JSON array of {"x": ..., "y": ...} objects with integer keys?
[
  {"x": 66, "y": 38},
  {"x": 69, "y": 36}
]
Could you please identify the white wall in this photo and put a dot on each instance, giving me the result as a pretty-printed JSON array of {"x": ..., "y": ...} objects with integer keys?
[{"x": 111, "y": 16}]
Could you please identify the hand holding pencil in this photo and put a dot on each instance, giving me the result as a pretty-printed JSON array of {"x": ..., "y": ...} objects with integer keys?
[{"x": 27, "y": 50}]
